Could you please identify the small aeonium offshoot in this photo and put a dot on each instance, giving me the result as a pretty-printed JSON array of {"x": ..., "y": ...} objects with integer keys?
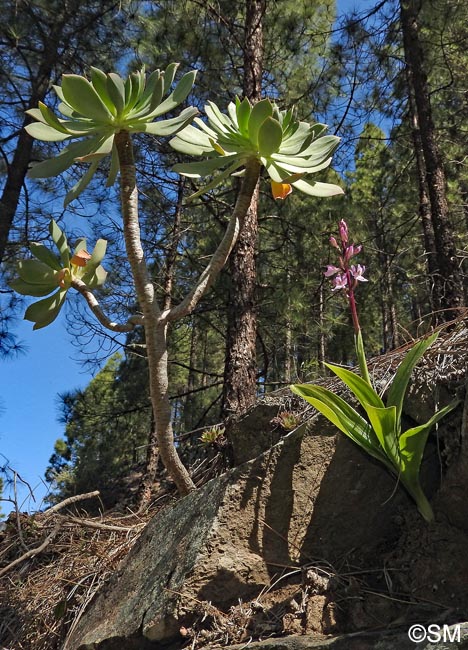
[{"x": 379, "y": 434}]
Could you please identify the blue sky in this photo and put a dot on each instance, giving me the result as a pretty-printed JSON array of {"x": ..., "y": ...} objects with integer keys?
[{"x": 29, "y": 385}]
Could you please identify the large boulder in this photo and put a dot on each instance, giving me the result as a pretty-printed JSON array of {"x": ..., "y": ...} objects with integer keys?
[{"x": 313, "y": 495}]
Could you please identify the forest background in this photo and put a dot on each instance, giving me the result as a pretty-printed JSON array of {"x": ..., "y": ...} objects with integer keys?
[{"x": 389, "y": 78}]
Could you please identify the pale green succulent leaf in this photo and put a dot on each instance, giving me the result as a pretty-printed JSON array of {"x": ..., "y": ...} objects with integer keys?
[
  {"x": 60, "y": 240},
  {"x": 218, "y": 121},
  {"x": 204, "y": 167},
  {"x": 44, "y": 132},
  {"x": 321, "y": 148},
  {"x": 102, "y": 147},
  {"x": 301, "y": 166},
  {"x": 36, "y": 272},
  {"x": 180, "y": 94},
  {"x": 113, "y": 168},
  {"x": 64, "y": 160},
  {"x": 95, "y": 278},
  {"x": 83, "y": 183},
  {"x": 292, "y": 145},
  {"x": 169, "y": 76},
  {"x": 258, "y": 115},
  {"x": 244, "y": 108},
  {"x": 217, "y": 180},
  {"x": 99, "y": 82},
  {"x": 204, "y": 127},
  {"x": 171, "y": 126},
  {"x": 80, "y": 95},
  {"x": 157, "y": 95},
  {"x": 52, "y": 120},
  {"x": 192, "y": 136},
  {"x": 314, "y": 188},
  {"x": 233, "y": 114},
  {"x": 270, "y": 136},
  {"x": 45, "y": 255},
  {"x": 116, "y": 91},
  {"x": 34, "y": 290},
  {"x": 44, "y": 312}
]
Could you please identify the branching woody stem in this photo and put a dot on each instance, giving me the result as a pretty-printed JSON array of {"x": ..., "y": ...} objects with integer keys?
[
  {"x": 155, "y": 322},
  {"x": 93, "y": 304},
  {"x": 218, "y": 260}
]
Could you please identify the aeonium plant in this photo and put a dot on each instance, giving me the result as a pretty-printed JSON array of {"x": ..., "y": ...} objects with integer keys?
[
  {"x": 380, "y": 433},
  {"x": 57, "y": 273},
  {"x": 288, "y": 149},
  {"x": 94, "y": 111}
]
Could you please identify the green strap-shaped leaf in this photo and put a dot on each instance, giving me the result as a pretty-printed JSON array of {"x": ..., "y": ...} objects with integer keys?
[
  {"x": 383, "y": 422},
  {"x": 45, "y": 255},
  {"x": 413, "y": 442},
  {"x": 343, "y": 416},
  {"x": 361, "y": 356},
  {"x": 80, "y": 95},
  {"x": 44, "y": 312},
  {"x": 397, "y": 390},
  {"x": 270, "y": 135},
  {"x": 358, "y": 386}
]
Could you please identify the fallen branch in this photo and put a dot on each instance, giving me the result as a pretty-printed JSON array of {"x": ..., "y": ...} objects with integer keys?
[
  {"x": 67, "y": 502},
  {"x": 32, "y": 552}
]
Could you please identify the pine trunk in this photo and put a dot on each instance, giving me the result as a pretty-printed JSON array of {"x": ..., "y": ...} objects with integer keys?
[
  {"x": 447, "y": 272},
  {"x": 240, "y": 373}
]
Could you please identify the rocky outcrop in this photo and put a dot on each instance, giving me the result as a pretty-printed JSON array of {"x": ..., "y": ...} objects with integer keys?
[{"x": 312, "y": 506}]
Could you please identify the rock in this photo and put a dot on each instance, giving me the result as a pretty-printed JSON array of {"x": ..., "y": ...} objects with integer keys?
[{"x": 313, "y": 495}]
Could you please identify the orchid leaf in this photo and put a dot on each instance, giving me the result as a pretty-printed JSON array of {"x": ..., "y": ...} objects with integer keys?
[
  {"x": 359, "y": 386},
  {"x": 399, "y": 384}
]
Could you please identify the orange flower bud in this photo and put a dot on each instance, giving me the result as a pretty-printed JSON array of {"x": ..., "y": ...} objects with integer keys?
[
  {"x": 80, "y": 258},
  {"x": 280, "y": 190}
]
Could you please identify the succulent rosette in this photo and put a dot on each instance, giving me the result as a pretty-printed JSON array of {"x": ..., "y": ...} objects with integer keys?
[
  {"x": 94, "y": 111},
  {"x": 290, "y": 150},
  {"x": 49, "y": 273}
]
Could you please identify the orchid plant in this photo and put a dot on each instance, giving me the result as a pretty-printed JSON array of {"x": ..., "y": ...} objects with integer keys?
[{"x": 380, "y": 433}]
